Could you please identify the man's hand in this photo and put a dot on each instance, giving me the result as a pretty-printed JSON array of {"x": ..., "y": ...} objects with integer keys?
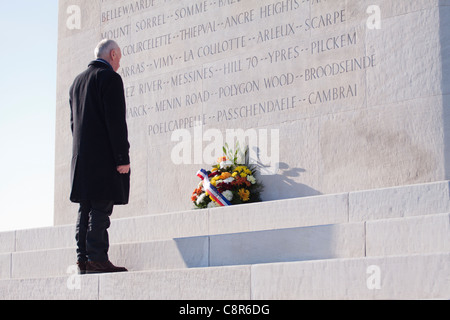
[{"x": 123, "y": 169}]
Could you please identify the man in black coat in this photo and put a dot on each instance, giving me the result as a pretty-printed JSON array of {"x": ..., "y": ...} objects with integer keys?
[{"x": 100, "y": 172}]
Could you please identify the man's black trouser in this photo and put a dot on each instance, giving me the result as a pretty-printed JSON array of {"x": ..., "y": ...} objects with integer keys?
[{"x": 92, "y": 230}]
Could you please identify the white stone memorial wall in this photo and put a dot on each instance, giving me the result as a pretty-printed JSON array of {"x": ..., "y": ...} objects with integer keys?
[{"x": 335, "y": 96}]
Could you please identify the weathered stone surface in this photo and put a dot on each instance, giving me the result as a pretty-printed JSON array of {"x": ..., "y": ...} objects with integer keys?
[
  {"x": 159, "y": 255},
  {"x": 403, "y": 254},
  {"x": 169, "y": 254},
  {"x": 42, "y": 264},
  {"x": 402, "y": 277},
  {"x": 408, "y": 235},
  {"x": 61, "y": 288},
  {"x": 160, "y": 227},
  {"x": 408, "y": 201},
  {"x": 45, "y": 238},
  {"x": 7, "y": 241},
  {"x": 297, "y": 244},
  {"x": 5, "y": 265},
  {"x": 290, "y": 213},
  {"x": 226, "y": 283},
  {"x": 354, "y": 106}
]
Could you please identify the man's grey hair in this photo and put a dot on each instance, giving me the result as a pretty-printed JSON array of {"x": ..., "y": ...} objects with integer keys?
[{"x": 104, "y": 48}]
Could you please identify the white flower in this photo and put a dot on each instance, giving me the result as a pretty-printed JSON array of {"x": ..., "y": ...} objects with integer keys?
[
  {"x": 229, "y": 180},
  {"x": 228, "y": 195},
  {"x": 225, "y": 164},
  {"x": 200, "y": 198},
  {"x": 251, "y": 179}
]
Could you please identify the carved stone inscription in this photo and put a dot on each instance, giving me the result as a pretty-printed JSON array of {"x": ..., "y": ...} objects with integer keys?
[
  {"x": 224, "y": 63},
  {"x": 233, "y": 64},
  {"x": 209, "y": 66},
  {"x": 351, "y": 92}
]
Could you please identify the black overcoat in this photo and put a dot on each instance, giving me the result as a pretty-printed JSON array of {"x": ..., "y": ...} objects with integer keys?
[{"x": 100, "y": 136}]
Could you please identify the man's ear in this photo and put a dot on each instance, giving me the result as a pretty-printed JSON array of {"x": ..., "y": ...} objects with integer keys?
[{"x": 113, "y": 54}]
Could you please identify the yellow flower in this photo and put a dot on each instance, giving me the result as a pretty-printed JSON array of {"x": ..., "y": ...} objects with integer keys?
[
  {"x": 214, "y": 180},
  {"x": 225, "y": 175},
  {"x": 243, "y": 175},
  {"x": 243, "y": 169},
  {"x": 244, "y": 194},
  {"x": 234, "y": 174}
]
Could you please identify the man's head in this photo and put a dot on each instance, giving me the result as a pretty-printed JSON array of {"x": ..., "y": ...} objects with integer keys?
[{"x": 109, "y": 50}]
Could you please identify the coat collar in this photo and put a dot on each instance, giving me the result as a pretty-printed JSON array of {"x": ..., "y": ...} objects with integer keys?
[{"x": 100, "y": 63}]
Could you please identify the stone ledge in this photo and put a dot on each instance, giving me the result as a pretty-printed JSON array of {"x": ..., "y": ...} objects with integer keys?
[
  {"x": 420, "y": 234},
  {"x": 403, "y": 201},
  {"x": 155, "y": 255},
  {"x": 424, "y": 276},
  {"x": 294, "y": 244},
  {"x": 408, "y": 235},
  {"x": 278, "y": 245},
  {"x": 7, "y": 241},
  {"x": 396, "y": 202}
]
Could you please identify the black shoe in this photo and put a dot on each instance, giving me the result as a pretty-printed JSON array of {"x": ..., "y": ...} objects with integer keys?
[
  {"x": 81, "y": 267},
  {"x": 102, "y": 267}
]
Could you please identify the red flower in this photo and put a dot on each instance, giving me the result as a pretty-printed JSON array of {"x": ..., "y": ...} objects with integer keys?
[
  {"x": 215, "y": 173},
  {"x": 241, "y": 181},
  {"x": 221, "y": 187}
]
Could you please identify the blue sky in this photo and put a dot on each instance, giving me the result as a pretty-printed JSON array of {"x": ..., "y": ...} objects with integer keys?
[{"x": 28, "y": 33}]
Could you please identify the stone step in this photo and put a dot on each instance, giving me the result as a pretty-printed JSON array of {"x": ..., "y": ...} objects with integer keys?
[
  {"x": 394, "y": 236},
  {"x": 396, "y": 202},
  {"x": 420, "y": 276}
]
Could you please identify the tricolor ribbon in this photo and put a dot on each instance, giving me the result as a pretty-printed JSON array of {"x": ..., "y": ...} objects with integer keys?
[{"x": 212, "y": 191}]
